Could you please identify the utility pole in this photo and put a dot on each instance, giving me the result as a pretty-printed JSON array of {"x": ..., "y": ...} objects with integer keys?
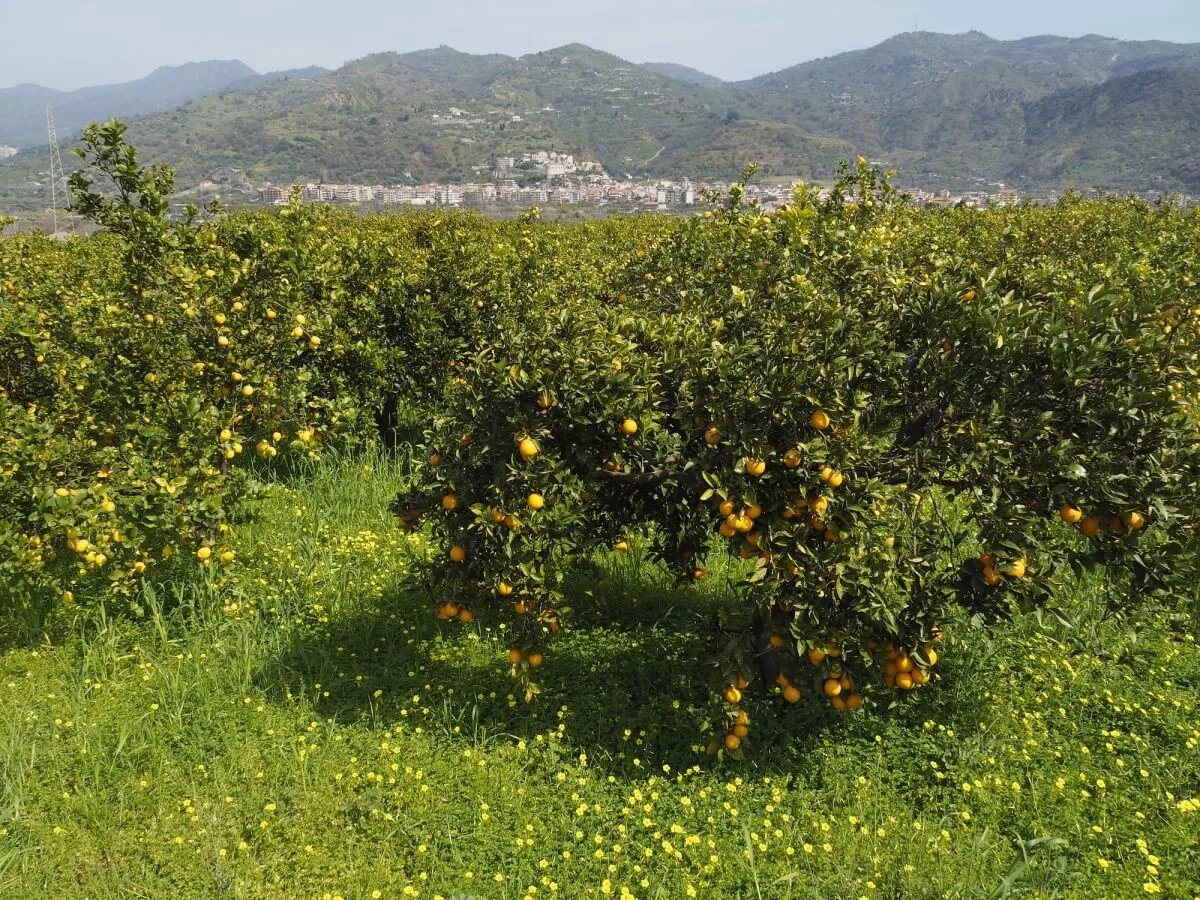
[{"x": 58, "y": 178}]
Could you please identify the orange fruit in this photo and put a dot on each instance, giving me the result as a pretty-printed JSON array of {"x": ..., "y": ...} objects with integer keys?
[
  {"x": 904, "y": 681},
  {"x": 504, "y": 589},
  {"x": 1015, "y": 569},
  {"x": 712, "y": 436},
  {"x": 458, "y": 553},
  {"x": 726, "y": 508},
  {"x": 497, "y": 514},
  {"x": 889, "y": 668},
  {"x": 1134, "y": 520},
  {"x": 535, "y": 501},
  {"x": 727, "y": 530},
  {"x": 741, "y": 682},
  {"x": 836, "y": 479},
  {"x": 697, "y": 574},
  {"x": 845, "y": 682},
  {"x": 535, "y": 659},
  {"x": 837, "y": 702},
  {"x": 515, "y": 655},
  {"x": 743, "y": 717},
  {"x": 832, "y": 649},
  {"x": 732, "y": 694},
  {"x": 732, "y": 741},
  {"x": 792, "y": 458},
  {"x": 825, "y": 473},
  {"x": 449, "y": 502},
  {"x": 819, "y": 505},
  {"x": 832, "y": 687},
  {"x": 753, "y": 511},
  {"x": 622, "y": 546},
  {"x": 854, "y": 701},
  {"x": 819, "y": 420},
  {"x": 1090, "y": 526},
  {"x": 816, "y": 656},
  {"x": 629, "y": 427},
  {"x": 743, "y": 523},
  {"x": 465, "y": 615},
  {"x": 904, "y": 664},
  {"x": 755, "y": 466},
  {"x": 435, "y": 460},
  {"x": 919, "y": 676},
  {"x": 776, "y": 641},
  {"x": 740, "y": 730},
  {"x": 931, "y": 655},
  {"x": 1070, "y": 513},
  {"x": 791, "y": 693},
  {"x": 527, "y": 448}
]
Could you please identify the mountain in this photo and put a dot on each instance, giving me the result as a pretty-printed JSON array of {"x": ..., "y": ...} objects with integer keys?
[
  {"x": 686, "y": 74},
  {"x": 442, "y": 114},
  {"x": 939, "y": 104},
  {"x": 23, "y": 108},
  {"x": 1141, "y": 129},
  {"x": 953, "y": 111}
]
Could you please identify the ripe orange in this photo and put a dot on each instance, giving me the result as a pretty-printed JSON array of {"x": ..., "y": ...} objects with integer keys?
[
  {"x": 791, "y": 694},
  {"x": 819, "y": 420},
  {"x": 741, "y": 682},
  {"x": 732, "y": 694},
  {"x": 535, "y": 659},
  {"x": 919, "y": 676},
  {"x": 465, "y": 615},
  {"x": 1070, "y": 513},
  {"x": 816, "y": 656},
  {"x": 836, "y": 479},
  {"x": 776, "y": 640},
  {"x": 825, "y": 473},
  {"x": 741, "y": 730},
  {"x": 837, "y": 702},
  {"x": 727, "y": 530},
  {"x": 712, "y": 436},
  {"x": 755, "y": 466},
  {"x": 535, "y": 501},
  {"x": 904, "y": 664},
  {"x": 497, "y": 514},
  {"x": 732, "y": 741},
  {"x": 832, "y": 687},
  {"x": 629, "y": 427},
  {"x": 743, "y": 717},
  {"x": 515, "y": 655},
  {"x": 449, "y": 502},
  {"x": 622, "y": 546},
  {"x": 1015, "y": 569},
  {"x": 527, "y": 448},
  {"x": 854, "y": 701},
  {"x": 726, "y": 508},
  {"x": 904, "y": 681},
  {"x": 1134, "y": 520},
  {"x": 743, "y": 523},
  {"x": 792, "y": 458},
  {"x": 753, "y": 511},
  {"x": 698, "y": 574},
  {"x": 458, "y": 553},
  {"x": 832, "y": 649},
  {"x": 819, "y": 505},
  {"x": 1090, "y": 526},
  {"x": 504, "y": 589}
]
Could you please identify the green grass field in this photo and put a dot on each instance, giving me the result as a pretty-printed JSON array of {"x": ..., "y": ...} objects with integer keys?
[{"x": 307, "y": 728}]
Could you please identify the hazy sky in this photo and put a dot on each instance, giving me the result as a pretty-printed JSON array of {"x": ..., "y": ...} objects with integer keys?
[{"x": 70, "y": 43}]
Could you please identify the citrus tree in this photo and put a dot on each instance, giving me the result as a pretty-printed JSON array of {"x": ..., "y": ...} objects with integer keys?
[{"x": 883, "y": 427}]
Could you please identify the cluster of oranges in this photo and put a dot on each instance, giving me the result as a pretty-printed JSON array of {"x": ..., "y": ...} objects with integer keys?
[
  {"x": 906, "y": 671},
  {"x": 1092, "y": 524},
  {"x": 837, "y": 684},
  {"x": 516, "y": 656},
  {"x": 1015, "y": 568},
  {"x": 448, "y": 610},
  {"x": 740, "y": 724}
]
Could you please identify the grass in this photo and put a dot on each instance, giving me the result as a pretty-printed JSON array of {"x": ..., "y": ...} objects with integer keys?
[{"x": 302, "y": 726}]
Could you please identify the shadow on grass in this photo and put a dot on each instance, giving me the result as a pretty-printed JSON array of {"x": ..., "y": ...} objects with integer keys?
[{"x": 633, "y": 680}]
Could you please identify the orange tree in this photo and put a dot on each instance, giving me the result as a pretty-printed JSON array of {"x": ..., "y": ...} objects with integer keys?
[{"x": 881, "y": 429}]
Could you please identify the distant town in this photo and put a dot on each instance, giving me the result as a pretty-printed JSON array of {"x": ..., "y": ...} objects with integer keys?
[{"x": 546, "y": 177}]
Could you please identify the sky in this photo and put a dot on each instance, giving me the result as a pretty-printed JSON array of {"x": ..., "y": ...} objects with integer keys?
[{"x": 67, "y": 44}]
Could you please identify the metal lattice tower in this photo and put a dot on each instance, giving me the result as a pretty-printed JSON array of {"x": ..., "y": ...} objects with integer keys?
[{"x": 58, "y": 178}]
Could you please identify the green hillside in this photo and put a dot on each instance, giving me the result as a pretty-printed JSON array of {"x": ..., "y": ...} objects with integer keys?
[{"x": 1141, "y": 130}]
